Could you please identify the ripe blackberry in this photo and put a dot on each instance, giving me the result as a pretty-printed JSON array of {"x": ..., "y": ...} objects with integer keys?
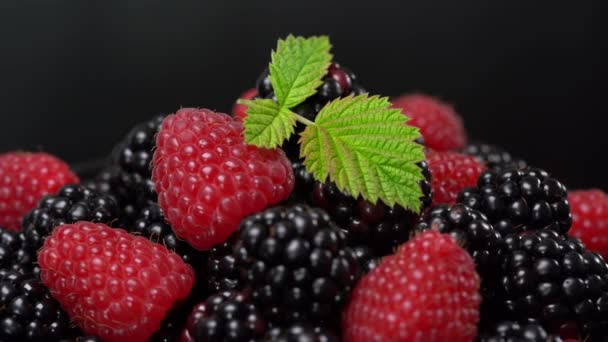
[
  {"x": 221, "y": 273},
  {"x": 109, "y": 183},
  {"x": 16, "y": 253},
  {"x": 295, "y": 263},
  {"x": 520, "y": 200},
  {"x": 301, "y": 332},
  {"x": 493, "y": 156},
  {"x": 152, "y": 225},
  {"x": 554, "y": 280},
  {"x": 379, "y": 227},
  {"x": 71, "y": 204},
  {"x": 226, "y": 316},
  {"x": 472, "y": 229},
  {"x": 338, "y": 82},
  {"x": 509, "y": 331},
  {"x": 29, "y": 313}
]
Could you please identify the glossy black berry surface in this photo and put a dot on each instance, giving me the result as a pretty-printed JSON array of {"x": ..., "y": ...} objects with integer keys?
[
  {"x": 376, "y": 226},
  {"x": 493, "y": 156},
  {"x": 221, "y": 272},
  {"x": 517, "y": 200},
  {"x": 295, "y": 263},
  {"x": 28, "y": 312},
  {"x": 72, "y": 203},
  {"x": 554, "y": 280},
  {"x": 301, "y": 332},
  {"x": 338, "y": 82},
  {"x": 16, "y": 253},
  {"x": 509, "y": 331},
  {"x": 226, "y": 316}
]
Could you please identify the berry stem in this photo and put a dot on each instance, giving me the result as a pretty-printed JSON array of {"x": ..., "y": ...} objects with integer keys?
[{"x": 302, "y": 119}]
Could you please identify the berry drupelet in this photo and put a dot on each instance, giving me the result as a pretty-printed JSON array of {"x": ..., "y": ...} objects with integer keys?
[
  {"x": 221, "y": 272},
  {"x": 295, "y": 263},
  {"x": 71, "y": 204},
  {"x": 109, "y": 182},
  {"x": 29, "y": 313},
  {"x": 493, "y": 156},
  {"x": 520, "y": 200},
  {"x": 338, "y": 82},
  {"x": 377, "y": 226},
  {"x": 301, "y": 332},
  {"x": 509, "y": 331},
  {"x": 226, "y": 316},
  {"x": 554, "y": 280},
  {"x": 16, "y": 253}
]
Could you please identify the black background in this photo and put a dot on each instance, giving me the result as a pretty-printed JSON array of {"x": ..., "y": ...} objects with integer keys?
[{"x": 530, "y": 76}]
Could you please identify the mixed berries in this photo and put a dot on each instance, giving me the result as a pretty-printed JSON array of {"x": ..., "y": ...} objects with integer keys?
[{"x": 190, "y": 233}]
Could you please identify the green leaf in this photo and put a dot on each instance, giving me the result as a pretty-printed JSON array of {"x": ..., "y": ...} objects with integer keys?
[
  {"x": 297, "y": 67},
  {"x": 365, "y": 147},
  {"x": 267, "y": 124}
]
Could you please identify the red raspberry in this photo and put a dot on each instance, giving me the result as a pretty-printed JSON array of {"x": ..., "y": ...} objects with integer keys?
[
  {"x": 238, "y": 110},
  {"x": 112, "y": 284},
  {"x": 440, "y": 126},
  {"x": 208, "y": 179},
  {"x": 24, "y": 179},
  {"x": 590, "y": 219},
  {"x": 450, "y": 173},
  {"x": 427, "y": 291}
]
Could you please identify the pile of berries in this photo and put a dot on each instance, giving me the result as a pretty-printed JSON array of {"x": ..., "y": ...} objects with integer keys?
[{"x": 190, "y": 234}]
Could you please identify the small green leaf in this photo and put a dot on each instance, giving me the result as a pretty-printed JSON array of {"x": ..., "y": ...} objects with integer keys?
[
  {"x": 365, "y": 147},
  {"x": 266, "y": 124},
  {"x": 297, "y": 67}
]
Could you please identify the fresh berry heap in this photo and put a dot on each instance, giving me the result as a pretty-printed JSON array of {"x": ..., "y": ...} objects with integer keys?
[
  {"x": 338, "y": 82},
  {"x": 296, "y": 264},
  {"x": 208, "y": 179},
  {"x": 112, "y": 284},
  {"x": 509, "y": 331},
  {"x": 450, "y": 173},
  {"x": 590, "y": 219},
  {"x": 226, "y": 316},
  {"x": 24, "y": 179},
  {"x": 554, "y": 280},
  {"x": 316, "y": 213},
  {"x": 426, "y": 291},
  {"x": 520, "y": 200},
  {"x": 377, "y": 226},
  {"x": 440, "y": 126},
  {"x": 493, "y": 156},
  {"x": 71, "y": 204}
]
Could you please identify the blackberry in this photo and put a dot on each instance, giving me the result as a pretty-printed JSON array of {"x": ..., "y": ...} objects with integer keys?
[
  {"x": 376, "y": 226},
  {"x": 520, "y": 200},
  {"x": 509, "y": 331},
  {"x": 72, "y": 203},
  {"x": 295, "y": 263},
  {"x": 221, "y": 273},
  {"x": 29, "y": 313},
  {"x": 493, "y": 156},
  {"x": 109, "y": 183},
  {"x": 338, "y": 82},
  {"x": 554, "y": 280},
  {"x": 152, "y": 225},
  {"x": 472, "y": 229},
  {"x": 226, "y": 316},
  {"x": 16, "y": 253},
  {"x": 301, "y": 332}
]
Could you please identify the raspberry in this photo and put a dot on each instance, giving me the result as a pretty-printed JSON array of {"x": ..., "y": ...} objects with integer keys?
[
  {"x": 295, "y": 263},
  {"x": 113, "y": 284},
  {"x": 440, "y": 126},
  {"x": 450, "y": 173},
  {"x": 208, "y": 179},
  {"x": 16, "y": 253},
  {"x": 427, "y": 291},
  {"x": 239, "y": 110},
  {"x": 226, "y": 316},
  {"x": 493, "y": 156},
  {"x": 513, "y": 331},
  {"x": 375, "y": 226},
  {"x": 338, "y": 82},
  {"x": 590, "y": 219},
  {"x": 24, "y": 179},
  {"x": 517, "y": 200},
  {"x": 554, "y": 280},
  {"x": 72, "y": 203}
]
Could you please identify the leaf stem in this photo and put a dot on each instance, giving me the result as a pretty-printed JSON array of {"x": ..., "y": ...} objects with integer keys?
[{"x": 302, "y": 119}]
